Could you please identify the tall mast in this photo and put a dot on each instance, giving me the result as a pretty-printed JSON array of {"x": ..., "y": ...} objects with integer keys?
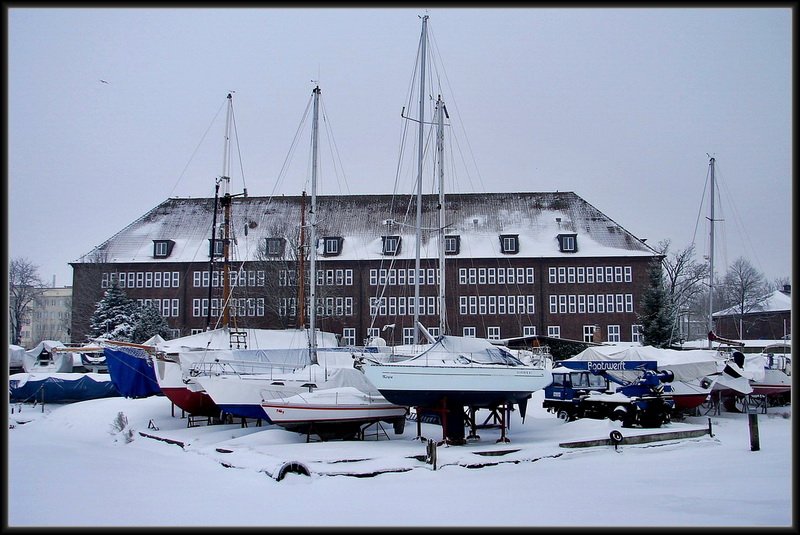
[
  {"x": 711, "y": 259},
  {"x": 422, "y": 42},
  {"x": 212, "y": 248},
  {"x": 312, "y": 313},
  {"x": 301, "y": 282},
  {"x": 226, "y": 208},
  {"x": 440, "y": 111}
]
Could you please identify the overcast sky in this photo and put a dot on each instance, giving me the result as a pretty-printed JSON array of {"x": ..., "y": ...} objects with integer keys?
[{"x": 112, "y": 111}]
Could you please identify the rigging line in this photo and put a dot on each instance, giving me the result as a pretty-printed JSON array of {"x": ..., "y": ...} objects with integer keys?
[
  {"x": 238, "y": 147},
  {"x": 292, "y": 147},
  {"x": 736, "y": 217},
  {"x": 702, "y": 205},
  {"x": 180, "y": 177},
  {"x": 452, "y": 98},
  {"x": 334, "y": 150}
]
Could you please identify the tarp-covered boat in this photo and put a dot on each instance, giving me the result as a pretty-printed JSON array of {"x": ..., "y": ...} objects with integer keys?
[{"x": 60, "y": 387}]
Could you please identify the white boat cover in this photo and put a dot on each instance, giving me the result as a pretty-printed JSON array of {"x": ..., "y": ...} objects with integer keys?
[{"x": 57, "y": 362}]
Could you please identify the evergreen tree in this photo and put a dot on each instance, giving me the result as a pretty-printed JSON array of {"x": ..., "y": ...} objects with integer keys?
[
  {"x": 655, "y": 311},
  {"x": 113, "y": 317},
  {"x": 149, "y": 322}
]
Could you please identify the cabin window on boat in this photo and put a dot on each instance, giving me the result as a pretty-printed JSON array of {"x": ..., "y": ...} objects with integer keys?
[
  {"x": 391, "y": 245},
  {"x": 509, "y": 243}
]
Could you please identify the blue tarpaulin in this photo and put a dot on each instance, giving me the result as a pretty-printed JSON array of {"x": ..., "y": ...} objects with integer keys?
[
  {"x": 132, "y": 372},
  {"x": 61, "y": 387}
]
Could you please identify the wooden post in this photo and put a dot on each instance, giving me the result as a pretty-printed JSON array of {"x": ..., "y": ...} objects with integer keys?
[{"x": 752, "y": 419}]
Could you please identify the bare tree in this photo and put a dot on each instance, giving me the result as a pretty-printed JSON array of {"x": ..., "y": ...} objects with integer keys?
[
  {"x": 745, "y": 288},
  {"x": 25, "y": 287},
  {"x": 683, "y": 278}
]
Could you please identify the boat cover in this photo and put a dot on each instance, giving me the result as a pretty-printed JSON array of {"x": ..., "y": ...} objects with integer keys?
[
  {"x": 132, "y": 372},
  {"x": 59, "y": 387}
]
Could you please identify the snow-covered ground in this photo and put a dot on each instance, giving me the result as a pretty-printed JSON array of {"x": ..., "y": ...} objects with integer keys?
[{"x": 70, "y": 466}]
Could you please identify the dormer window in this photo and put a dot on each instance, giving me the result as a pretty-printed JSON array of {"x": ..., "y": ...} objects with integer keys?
[
  {"x": 452, "y": 244},
  {"x": 332, "y": 245},
  {"x": 568, "y": 243},
  {"x": 162, "y": 248},
  {"x": 274, "y": 246},
  {"x": 509, "y": 243},
  {"x": 391, "y": 245},
  {"x": 217, "y": 245}
]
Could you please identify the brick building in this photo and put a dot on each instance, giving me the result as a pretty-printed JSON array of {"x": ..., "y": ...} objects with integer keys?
[{"x": 516, "y": 264}]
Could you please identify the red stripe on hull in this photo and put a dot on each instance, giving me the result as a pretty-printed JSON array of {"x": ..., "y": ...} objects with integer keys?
[{"x": 688, "y": 401}]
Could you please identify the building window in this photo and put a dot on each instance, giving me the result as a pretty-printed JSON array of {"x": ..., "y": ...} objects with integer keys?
[
  {"x": 529, "y": 330},
  {"x": 452, "y": 244},
  {"x": 469, "y": 332},
  {"x": 391, "y": 245},
  {"x": 372, "y": 333},
  {"x": 554, "y": 331},
  {"x": 493, "y": 333},
  {"x": 274, "y": 246},
  {"x": 568, "y": 243},
  {"x": 349, "y": 336},
  {"x": 332, "y": 245},
  {"x": 588, "y": 333},
  {"x": 636, "y": 333},
  {"x": 509, "y": 243},
  {"x": 613, "y": 333},
  {"x": 162, "y": 248}
]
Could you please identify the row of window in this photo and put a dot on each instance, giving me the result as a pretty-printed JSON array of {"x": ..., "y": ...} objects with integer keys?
[
  {"x": 141, "y": 279},
  {"x": 496, "y": 304},
  {"x": 235, "y": 278},
  {"x": 332, "y": 245},
  {"x": 326, "y": 306},
  {"x": 590, "y": 274},
  {"x": 241, "y": 307},
  {"x": 591, "y": 304},
  {"x": 402, "y": 277},
  {"x": 496, "y": 275},
  {"x": 325, "y": 277},
  {"x": 612, "y": 332},
  {"x": 169, "y": 308},
  {"x": 403, "y": 306}
]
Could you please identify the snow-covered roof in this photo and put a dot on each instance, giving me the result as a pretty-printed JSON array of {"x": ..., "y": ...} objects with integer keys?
[
  {"x": 777, "y": 301},
  {"x": 361, "y": 220}
]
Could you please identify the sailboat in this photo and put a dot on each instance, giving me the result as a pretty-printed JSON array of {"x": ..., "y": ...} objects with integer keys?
[
  {"x": 454, "y": 371},
  {"x": 324, "y": 392},
  {"x": 750, "y": 379},
  {"x": 225, "y": 348}
]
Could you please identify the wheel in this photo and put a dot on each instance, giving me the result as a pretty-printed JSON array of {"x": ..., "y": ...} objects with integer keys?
[
  {"x": 564, "y": 415},
  {"x": 615, "y": 436}
]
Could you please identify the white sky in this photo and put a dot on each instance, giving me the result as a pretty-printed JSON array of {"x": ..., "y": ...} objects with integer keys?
[
  {"x": 66, "y": 468},
  {"x": 620, "y": 106}
]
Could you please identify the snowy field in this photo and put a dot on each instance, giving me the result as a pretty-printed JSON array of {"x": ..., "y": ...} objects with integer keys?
[{"x": 70, "y": 466}]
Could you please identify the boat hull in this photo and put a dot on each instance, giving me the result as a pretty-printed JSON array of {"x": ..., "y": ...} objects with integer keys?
[
  {"x": 428, "y": 386},
  {"x": 292, "y": 415},
  {"x": 189, "y": 398}
]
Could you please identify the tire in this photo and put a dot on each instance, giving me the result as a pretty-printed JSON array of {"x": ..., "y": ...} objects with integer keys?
[
  {"x": 564, "y": 415},
  {"x": 615, "y": 436}
]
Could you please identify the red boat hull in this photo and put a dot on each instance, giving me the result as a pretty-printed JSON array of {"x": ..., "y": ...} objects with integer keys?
[{"x": 195, "y": 403}]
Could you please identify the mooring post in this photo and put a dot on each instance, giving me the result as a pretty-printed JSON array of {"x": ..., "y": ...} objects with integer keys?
[
  {"x": 752, "y": 420},
  {"x": 710, "y": 432}
]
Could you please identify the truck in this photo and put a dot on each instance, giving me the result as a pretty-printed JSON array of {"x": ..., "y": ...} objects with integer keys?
[{"x": 633, "y": 392}]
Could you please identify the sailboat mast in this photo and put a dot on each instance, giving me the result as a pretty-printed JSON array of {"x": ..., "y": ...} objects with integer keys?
[
  {"x": 440, "y": 111},
  {"x": 711, "y": 259},
  {"x": 313, "y": 234},
  {"x": 212, "y": 249},
  {"x": 421, "y": 131},
  {"x": 301, "y": 282},
  {"x": 226, "y": 207}
]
